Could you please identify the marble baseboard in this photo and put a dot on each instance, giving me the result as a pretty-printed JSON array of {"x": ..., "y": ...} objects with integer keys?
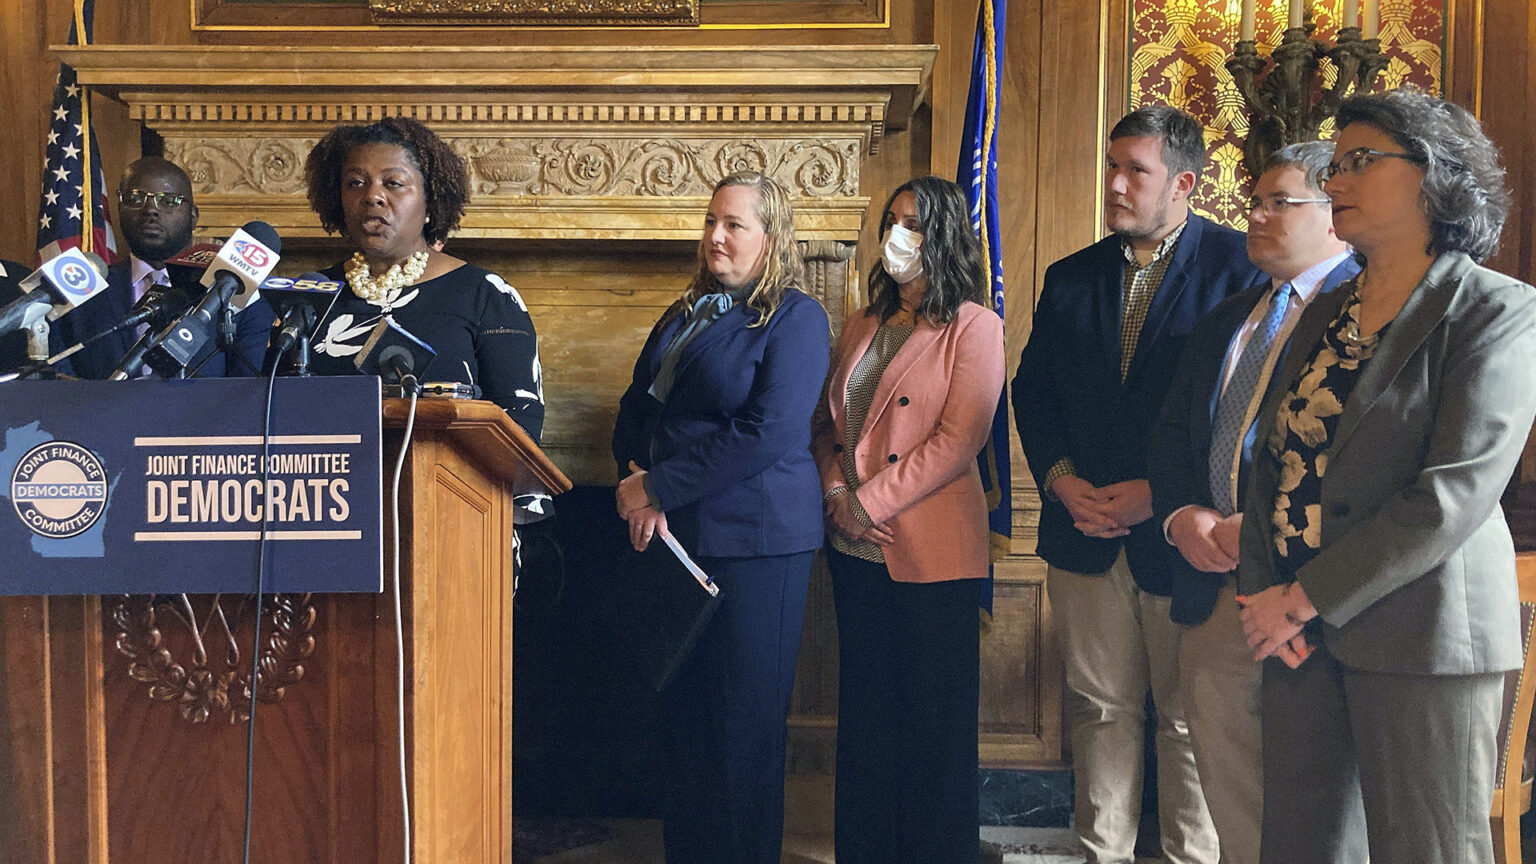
[{"x": 1026, "y": 799}]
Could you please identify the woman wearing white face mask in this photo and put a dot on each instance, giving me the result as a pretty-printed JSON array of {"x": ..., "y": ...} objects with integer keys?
[{"x": 908, "y": 406}]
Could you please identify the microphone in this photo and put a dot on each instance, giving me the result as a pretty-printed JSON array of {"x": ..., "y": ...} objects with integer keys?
[
  {"x": 199, "y": 255},
  {"x": 233, "y": 280},
  {"x": 394, "y": 355},
  {"x": 158, "y": 307},
  {"x": 63, "y": 282},
  {"x": 299, "y": 303}
]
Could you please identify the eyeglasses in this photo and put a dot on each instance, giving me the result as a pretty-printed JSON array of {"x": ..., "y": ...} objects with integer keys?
[
  {"x": 1361, "y": 158},
  {"x": 1279, "y": 205},
  {"x": 138, "y": 198}
]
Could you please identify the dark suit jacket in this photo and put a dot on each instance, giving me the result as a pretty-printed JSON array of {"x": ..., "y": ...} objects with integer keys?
[
  {"x": 729, "y": 453},
  {"x": 110, "y": 306},
  {"x": 1178, "y": 454},
  {"x": 1068, "y": 400},
  {"x": 1416, "y": 574},
  {"x": 13, "y": 345}
]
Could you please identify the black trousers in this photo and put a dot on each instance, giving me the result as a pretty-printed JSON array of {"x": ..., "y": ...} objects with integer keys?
[
  {"x": 726, "y": 712},
  {"x": 909, "y": 671}
]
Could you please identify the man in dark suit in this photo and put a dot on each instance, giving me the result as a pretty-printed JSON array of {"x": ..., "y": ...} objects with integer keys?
[
  {"x": 1198, "y": 468},
  {"x": 13, "y": 345},
  {"x": 1107, "y": 334},
  {"x": 157, "y": 215}
]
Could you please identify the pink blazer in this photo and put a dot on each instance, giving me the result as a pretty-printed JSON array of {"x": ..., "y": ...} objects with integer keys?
[{"x": 916, "y": 457}]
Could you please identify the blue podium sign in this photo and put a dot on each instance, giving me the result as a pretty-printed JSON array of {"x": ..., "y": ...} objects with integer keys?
[{"x": 156, "y": 487}]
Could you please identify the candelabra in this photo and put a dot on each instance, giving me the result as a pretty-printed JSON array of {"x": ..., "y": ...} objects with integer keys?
[{"x": 1281, "y": 108}]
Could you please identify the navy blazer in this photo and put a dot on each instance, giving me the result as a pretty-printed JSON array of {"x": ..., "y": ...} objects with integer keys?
[
  {"x": 13, "y": 345},
  {"x": 729, "y": 453},
  {"x": 1178, "y": 455},
  {"x": 1069, "y": 401},
  {"x": 252, "y": 326}
]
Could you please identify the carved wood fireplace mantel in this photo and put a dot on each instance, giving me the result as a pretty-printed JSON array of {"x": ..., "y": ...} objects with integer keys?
[
  {"x": 605, "y": 154},
  {"x": 561, "y": 142}
]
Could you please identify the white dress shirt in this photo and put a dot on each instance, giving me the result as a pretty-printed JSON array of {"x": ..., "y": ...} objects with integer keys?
[{"x": 1305, "y": 287}]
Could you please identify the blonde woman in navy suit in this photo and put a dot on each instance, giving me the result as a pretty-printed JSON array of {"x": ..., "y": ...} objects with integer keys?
[
  {"x": 1378, "y": 569},
  {"x": 713, "y": 440},
  {"x": 908, "y": 407}
]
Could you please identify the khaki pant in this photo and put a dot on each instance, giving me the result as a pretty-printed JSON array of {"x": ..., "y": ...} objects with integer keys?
[
  {"x": 1219, "y": 681},
  {"x": 1117, "y": 640}
]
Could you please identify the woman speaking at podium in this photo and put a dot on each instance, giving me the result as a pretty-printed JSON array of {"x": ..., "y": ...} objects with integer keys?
[
  {"x": 713, "y": 437},
  {"x": 395, "y": 191}
]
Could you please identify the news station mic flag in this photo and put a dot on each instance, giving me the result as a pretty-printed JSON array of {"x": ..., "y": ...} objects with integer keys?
[
  {"x": 977, "y": 175},
  {"x": 73, "y": 209}
]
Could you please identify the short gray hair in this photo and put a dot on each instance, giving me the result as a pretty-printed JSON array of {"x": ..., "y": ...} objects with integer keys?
[
  {"x": 1463, "y": 191},
  {"x": 1311, "y": 158}
]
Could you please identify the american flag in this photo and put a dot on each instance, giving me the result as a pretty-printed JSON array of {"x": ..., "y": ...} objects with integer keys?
[
  {"x": 977, "y": 175},
  {"x": 71, "y": 214}
]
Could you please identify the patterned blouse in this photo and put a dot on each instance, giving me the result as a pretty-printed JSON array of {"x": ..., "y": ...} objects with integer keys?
[
  {"x": 1304, "y": 427},
  {"x": 863, "y": 381}
]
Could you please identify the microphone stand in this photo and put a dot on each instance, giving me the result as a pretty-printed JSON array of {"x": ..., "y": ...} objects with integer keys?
[
  {"x": 37, "y": 349},
  {"x": 301, "y": 356},
  {"x": 226, "y": 340}
]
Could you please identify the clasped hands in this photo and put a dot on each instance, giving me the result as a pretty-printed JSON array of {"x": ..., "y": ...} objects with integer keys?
[
  {"x": 1104, "y": 511},
  {"x": 635, "y": 507},
  {"x": 1273, "y": 620},
  {"x": 840, "y": 517}
]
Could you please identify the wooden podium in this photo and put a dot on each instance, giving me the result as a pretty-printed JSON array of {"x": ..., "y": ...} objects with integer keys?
[{"x": 92, "y": 770}]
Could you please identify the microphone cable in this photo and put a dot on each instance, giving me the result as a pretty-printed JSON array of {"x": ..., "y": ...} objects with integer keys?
[
  {"x": 261, "y": 569},
  {"x": 405, "y": 444}
]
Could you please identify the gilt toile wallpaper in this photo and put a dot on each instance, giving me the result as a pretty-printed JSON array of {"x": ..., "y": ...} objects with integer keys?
[{"x": 1178, "y": 49}]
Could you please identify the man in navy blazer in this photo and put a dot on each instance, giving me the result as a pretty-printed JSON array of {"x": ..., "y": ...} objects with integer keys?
[
  {"x": 1108, "y": 329},
  {"x": 157, "y": 215},
  {"x": 1198, "y": 476}
]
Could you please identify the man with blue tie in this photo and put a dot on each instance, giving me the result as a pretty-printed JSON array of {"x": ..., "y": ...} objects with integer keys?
[
  {"x": 1108, "y": 330},
  {"x": 1197, "y": 465}
]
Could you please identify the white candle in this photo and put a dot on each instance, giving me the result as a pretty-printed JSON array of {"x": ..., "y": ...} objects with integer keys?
[
  {"x": 1368, "y": 26},
  {"x": 1245, "y": 29},
  {"x": 1296, "y": 9},
  {"x": 1351, "y": 14}
]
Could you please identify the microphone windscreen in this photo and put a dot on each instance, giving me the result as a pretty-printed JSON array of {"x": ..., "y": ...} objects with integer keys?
[
  {"x": 198, "y": 255},
  {"x": 264, "y": 234}
]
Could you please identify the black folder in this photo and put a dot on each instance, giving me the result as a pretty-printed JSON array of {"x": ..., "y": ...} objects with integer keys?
[{"x": 679, "y": 599}]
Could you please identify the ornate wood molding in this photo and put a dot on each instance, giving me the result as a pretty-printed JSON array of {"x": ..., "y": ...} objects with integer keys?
[
  {"x": 544, "y": 12},
  {"x": 213, "y": 681},
  {"x": 628, "y": 140}
]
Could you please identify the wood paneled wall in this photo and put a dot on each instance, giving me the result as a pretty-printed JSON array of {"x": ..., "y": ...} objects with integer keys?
[{"x": 1065, "y": 82}]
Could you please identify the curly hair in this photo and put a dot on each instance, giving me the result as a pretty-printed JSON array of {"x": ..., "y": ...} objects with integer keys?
[
  {"x": 445, "y": 180},
  {"x": 950, "y": 251},
  {"x": 1463, "y": 193},
  {"x": 783, "y": 268}
]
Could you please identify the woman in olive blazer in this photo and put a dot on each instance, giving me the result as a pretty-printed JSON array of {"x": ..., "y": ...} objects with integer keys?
[
  {"x": 1377, "y": 565},
  {"x": 908, "y": 406}
]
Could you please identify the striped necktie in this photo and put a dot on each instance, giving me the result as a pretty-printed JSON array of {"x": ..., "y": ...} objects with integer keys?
[{"x": 1234, "y": 409}]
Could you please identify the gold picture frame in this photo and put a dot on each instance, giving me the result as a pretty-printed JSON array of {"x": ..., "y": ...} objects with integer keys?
[{"x": 552, "y": 13}]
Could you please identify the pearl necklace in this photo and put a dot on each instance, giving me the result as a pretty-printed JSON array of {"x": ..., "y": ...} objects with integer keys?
[{"x": 382, "y": 290}]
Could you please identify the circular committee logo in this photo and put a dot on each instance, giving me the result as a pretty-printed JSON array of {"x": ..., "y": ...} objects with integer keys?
[{"x": 59, "y": 489}]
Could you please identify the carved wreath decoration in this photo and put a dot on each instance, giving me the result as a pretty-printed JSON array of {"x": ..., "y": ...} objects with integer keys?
[{"x": 199, "y": 689}]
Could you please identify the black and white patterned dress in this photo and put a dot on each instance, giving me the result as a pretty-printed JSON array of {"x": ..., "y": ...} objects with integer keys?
[
  {"x": 477, "y": 323},
  {"x": 1303, "y": 430}
]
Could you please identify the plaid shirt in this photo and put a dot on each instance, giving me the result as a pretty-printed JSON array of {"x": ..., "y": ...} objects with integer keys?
[
  {"x": 1139, "y": 286},
  {"x": 1137, "y": 290}
]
